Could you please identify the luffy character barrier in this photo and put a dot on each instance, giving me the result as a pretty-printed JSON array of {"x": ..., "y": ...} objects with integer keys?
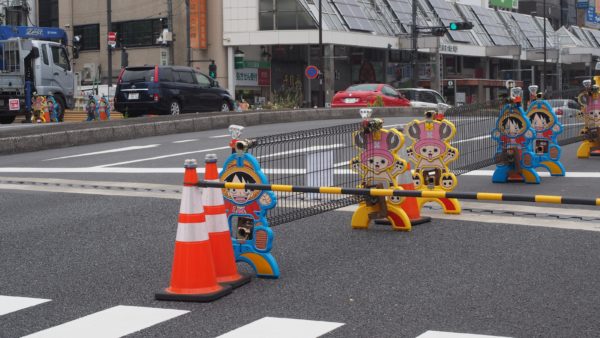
[
  {"x": 514, "y": 136},
  {"x": 546, "y": 127},
  {"x": 247, "y": 214}
]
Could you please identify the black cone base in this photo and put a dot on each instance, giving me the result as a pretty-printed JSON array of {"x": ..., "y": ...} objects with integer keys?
[
  {"x": 245, "y": 279},
  {"x": 423, "y": 219},
  {"x": 206, "y": 297}
]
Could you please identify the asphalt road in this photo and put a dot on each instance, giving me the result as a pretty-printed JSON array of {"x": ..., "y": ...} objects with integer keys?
[{"x": 87, "y": 251}]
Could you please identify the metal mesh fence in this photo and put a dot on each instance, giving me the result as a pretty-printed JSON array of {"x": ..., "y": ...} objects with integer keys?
[
  {"x": 318, "y": 157},
  {"x": 321, "y": 157}
]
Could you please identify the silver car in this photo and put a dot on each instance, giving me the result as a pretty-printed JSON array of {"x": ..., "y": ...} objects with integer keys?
[{"x": 424, "y": 98}]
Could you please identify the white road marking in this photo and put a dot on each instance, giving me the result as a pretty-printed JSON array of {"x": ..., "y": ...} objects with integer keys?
[
  {"x": 569, "y": 174},
  {"x": 109, "y": 151},
  {"x": 117, "y": 321},
  {"x": 163, "y": 156},
  {"x": 107, "y": 169},
  {"x": 271, "y": 327},
  {"x": 440, "y": 334},
  {"x": 10, "y": 304},
  {"x": 186, "y": 141},
  {"x": 304, "y": 150},
  {"x": 220, "y": 136}
]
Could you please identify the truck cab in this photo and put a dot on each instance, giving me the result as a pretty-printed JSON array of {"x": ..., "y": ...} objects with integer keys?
[{"x": 29, "y": 55}]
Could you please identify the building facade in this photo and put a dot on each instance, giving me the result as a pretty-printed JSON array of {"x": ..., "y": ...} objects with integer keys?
[{"x": 150, "y": 31}]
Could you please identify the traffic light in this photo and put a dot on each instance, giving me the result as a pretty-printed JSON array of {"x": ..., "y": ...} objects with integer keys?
[
  {"x": 439, "y": 31},
  {"x": 459, "y": 26},
  {"x": 76, "y": 46},
  {"x": 212, "y": 70},
  {"x": 124, "y": 57}
]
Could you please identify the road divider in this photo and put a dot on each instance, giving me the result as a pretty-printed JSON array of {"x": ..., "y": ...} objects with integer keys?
[{"x": 51, "y": 136}]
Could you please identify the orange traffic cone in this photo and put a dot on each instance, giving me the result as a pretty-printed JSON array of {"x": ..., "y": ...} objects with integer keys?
[
  {"x": 410, "y": 204},
  {"x": 193, "y": 277},
  {"x": 218, "y": 229}
]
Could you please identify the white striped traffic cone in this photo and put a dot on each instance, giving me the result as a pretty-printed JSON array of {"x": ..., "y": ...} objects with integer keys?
[
  {"x": 218, "y": 229},
  {"x": 193, "y": 277}
]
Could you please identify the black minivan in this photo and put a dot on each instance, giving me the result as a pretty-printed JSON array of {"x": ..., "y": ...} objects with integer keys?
[{"x": 168, "y": 90}]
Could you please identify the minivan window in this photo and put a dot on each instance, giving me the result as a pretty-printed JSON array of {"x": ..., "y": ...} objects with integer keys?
[
  {"x": 60, "y": 57},
  {"x": 138, "y": 75},
  {"x": 186, "y": 77},
  {"x": 165, "y": 75},
  {"x": 202, "y": 80}
]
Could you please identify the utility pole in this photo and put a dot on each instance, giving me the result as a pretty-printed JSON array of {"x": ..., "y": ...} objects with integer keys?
[
  {"x": 415, "y": 51},
  {"x": 543, "y": 82},
  {"x": 321, "y": 54},
  {"x": 109, "y": 28},
  {"x": 187, "y": 35},
  {"x": 170, "y": 27}
]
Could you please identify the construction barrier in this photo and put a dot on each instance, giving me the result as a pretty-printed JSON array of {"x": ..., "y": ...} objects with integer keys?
[{"x": 485, "y": 196}]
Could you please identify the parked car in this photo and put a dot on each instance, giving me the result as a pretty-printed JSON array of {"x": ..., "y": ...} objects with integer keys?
[
  {"x": 168, "y": 90},
  {"x": 565, "y": 107},
  {"x": 365, "y": 94},
  {"x": 424, "y": 98}
]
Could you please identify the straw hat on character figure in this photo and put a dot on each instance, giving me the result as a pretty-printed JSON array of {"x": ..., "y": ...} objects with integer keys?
[
  {"x": 92, "y": 108},
  {"x": 247, "y": 209},
  {"x": 590, "y": 114},
  {"x": 546, "y": 127},
  {"x": 514, "y": 135}
]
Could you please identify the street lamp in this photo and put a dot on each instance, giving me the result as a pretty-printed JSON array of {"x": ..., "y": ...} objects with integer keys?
[{"x": 544, "y": 68}]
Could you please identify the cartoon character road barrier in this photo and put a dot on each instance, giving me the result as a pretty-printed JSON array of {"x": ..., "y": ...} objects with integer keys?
[
  {"x": 378, "y": 165},
  {"x": 431, "y": 153},
  {"x": 514, "y": 135},
  {"x": 52, "y": 108},
  {"x": 590, "y": 114},
  {"x": 103, "y": 108},
  {"x": 247, "y": 209},
  {"x": 91, "y": 108},
  {"x": 546, "y": 127},
  {"x": 39, "y": 107}
]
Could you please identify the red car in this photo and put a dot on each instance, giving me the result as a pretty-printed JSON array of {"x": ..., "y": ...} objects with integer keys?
[{"x": 365, "y": 94}]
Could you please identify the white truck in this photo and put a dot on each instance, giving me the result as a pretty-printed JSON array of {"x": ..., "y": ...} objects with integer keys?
[{"x": 33, "y": 60}]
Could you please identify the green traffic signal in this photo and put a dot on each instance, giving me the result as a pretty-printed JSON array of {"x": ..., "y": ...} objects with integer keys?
[{"x": 458, "y": 26}]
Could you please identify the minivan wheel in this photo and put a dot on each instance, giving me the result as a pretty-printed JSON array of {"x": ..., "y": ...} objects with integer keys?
[
  {"x": 174, "y": 108},
  {"x": 225, "y": 106}
]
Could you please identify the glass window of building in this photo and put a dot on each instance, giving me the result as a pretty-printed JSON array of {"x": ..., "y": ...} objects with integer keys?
[
  {"x": 48, "y": 13},
  {"x": 139, "y": 33},
  {"x": 90, "y": 36},
  {"x": 285, "y": 14}
]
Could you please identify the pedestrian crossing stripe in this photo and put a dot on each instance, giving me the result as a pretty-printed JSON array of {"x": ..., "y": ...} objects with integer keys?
[
  {"x": 10, "y": 304},
  {"x": 114, "y": 322},
  {"x": 441, "y": 334},
  {"x": 271, "y": 327}
]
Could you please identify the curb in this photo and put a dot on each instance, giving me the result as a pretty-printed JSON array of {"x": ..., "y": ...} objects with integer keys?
[{"x": 54, "y": 136}]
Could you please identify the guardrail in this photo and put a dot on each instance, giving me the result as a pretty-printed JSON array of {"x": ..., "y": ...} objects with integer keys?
[{"x": 485, "y": 196}]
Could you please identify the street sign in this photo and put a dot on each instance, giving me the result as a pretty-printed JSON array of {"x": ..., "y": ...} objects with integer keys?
[
  {"x": 14, "y": 104},
  {"x": 311, "y": 72},
  {"x": 112, "y": 39},
  {"x": 450, "y": 84}
]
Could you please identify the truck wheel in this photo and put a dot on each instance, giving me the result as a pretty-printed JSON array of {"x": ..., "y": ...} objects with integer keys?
[{"x": 7, "y": 119}]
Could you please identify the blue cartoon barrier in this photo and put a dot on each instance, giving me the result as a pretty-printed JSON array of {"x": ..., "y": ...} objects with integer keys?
[
  {"x": 247, "y": 210},
  {"x": 546, "y": 127},
  {"x": 514, "y": 135}
]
